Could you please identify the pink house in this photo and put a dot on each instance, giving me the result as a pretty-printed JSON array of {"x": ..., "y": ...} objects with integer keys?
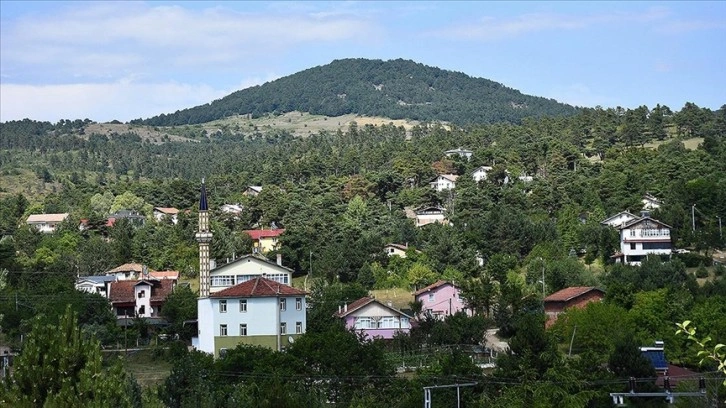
[
  {"x": 441, "y": 299},
  {"x": 374, "y": 319}
]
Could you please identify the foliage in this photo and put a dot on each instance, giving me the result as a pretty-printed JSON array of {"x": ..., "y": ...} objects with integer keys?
[
  {"x": 716, "y": 354},
  {"x": 58, "y": 367}
]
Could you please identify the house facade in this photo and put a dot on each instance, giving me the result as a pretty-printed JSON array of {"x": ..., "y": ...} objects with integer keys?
[
  {"x": 444, "y": 182},
  {"x": 247, "y": 268},
  {"x": 374, "y": 319},
  {"x": 480, "y": 173},
  {"x": 259, "y": 312},
  {"x": 651, "y": 202},
  {"x": 395, "y": 249},
  {"x": 463, "y": 153},
  {"x": 266, "y": 240},
  {"x": 619, "y": 219},
  {"x": 95, "y": 284},
  {"x": 441, "y": 299},
  {"x": 642, "y": 237},
  {"x": 578, "y": 296},
  {"x": 430, "y": 215},
  {"x": 139, "y": 298},
  {"x": 46, "y": 223},
  {"x": 170, "y": 213}
]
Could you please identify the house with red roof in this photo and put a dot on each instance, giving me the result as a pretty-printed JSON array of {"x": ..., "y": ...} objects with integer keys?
[
  {"x": 373, "y": 318},
  {"x": 258, "y": 311},
  {"x": 139, "y": 298},
  {"x": 577, "y": 296},
  {"x": 265, "y": 240},
  {"x": 440, "y": 299}
]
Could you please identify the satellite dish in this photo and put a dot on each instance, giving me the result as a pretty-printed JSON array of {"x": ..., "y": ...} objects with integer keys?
[{"x": 290, "y": 339}]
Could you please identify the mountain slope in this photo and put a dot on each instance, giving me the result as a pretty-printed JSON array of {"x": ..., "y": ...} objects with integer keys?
[{"x": 398, "y": 89}]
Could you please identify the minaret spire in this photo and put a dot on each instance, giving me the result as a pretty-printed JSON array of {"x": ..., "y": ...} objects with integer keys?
[{"x": 203, "y": 237}]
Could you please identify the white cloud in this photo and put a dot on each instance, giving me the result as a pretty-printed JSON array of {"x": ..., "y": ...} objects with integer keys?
[
  {"x": 123, "y": 100},
  {"x": 490, "y": 28}
]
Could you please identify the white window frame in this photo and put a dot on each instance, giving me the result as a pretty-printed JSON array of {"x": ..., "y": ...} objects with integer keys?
[
  {"x": 243, "y": 305},
  {"x": 283, "y": 329},
  {"x": 298, "y": 303},
  {"x": 222, "y": 330},
  {"x": 298, "y": 328},
  {"x": 243, "y": 329},
  {"x": 283, "y": 304},
  {"x": 223, "y": 306}
]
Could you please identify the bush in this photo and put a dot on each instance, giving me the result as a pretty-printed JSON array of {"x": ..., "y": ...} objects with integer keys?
[
  {"x": 701, "y": 272},
  {"x": 693, "y": 260}
]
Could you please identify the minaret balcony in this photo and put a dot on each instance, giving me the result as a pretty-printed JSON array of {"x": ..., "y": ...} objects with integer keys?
[{"x": 202, "y": 237}]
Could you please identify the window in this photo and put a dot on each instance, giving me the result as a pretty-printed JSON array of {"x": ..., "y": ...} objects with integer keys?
[
  {"x": 298, "y": 303},
  {"x": 243, "y": 329},
  {"x": 142, "y": 310},
  {"x": 283, "y": 304},
  {"x": 222, "y": 352},
  {"x": 632, "y": 233},
  {"x": 364, "y": 323},
  {"x": 283, "y": 328},
  {"x": 243, "y": 305},
  {"x": 431, "y": 297},
  {"x": 222, "y": 280},
  {"x": 632, "y": 246},
  {"x": 387, "y": 322},
  {"x": 656, "y": 245},
  {"x": 298, "y": 328},
  {"x": 142, "y": 294},
  {"x": 222, "y": 329},
  {"x": 222, "y": 306}
]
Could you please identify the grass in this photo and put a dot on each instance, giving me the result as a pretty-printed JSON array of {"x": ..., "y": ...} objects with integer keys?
[
  {"x": 148, "y": 369},
  {"x": 399, "y": 297}
]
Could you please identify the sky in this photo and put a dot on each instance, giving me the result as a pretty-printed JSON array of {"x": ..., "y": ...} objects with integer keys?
[{"x": 125, "y": 60}]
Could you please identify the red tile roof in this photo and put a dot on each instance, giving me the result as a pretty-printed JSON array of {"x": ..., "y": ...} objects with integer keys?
[
  {"x": 432, "y": 286},
  {"x": 136, "y": 267},
  {"x": 258, "y": 287},
  {"x": 257, "y": 234},
  {"x": 164, "y": 274},
  {"x": 123, "y": 291},
  {"x": 362, "y": 302},
  {"x": 567, "y": 294}
]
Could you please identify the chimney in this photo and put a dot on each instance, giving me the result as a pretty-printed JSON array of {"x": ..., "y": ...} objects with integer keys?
[
  {"x": 340, "y": 309},
  {"x": 279, "y": 259},
  {"x": 345, "y": 307}
]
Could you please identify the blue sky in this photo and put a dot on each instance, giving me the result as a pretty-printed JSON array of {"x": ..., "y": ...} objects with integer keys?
[{"x": 125, "y": 60}]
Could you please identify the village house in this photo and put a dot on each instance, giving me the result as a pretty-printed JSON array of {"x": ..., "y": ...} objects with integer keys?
[
  {"x": 373, "y": 318},
  {"x": 441, "y": 299},
  {"x": 577, "y": 296},
  {"x": 265, "y": 240},
  {"x": 396, "y": 249},
  {"x": 139, "y": 298},
  {"x": 247, "y": 301},
  {"x": 95, "y": 284},
  {"x": 253, "y": 191},
  {"x": 640, "y": 237},
  {"x": 46, "y": 223},
  {"x": 480, "y": 173},
  {"x": 651, "y": 202},
  {"x": 463, "y": 153},
  {"x": 429, "y": 215},
  {"x": 164, "y": 213},
  {"x": 444, "y": 182},
  {"x": 258, "y": 312}
]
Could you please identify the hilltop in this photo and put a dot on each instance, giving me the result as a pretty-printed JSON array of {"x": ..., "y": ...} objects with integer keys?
[{"x": 396, "y": 89}]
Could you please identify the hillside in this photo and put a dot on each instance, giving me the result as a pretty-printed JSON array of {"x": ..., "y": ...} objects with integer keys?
[{"x": 396, "y": 89}]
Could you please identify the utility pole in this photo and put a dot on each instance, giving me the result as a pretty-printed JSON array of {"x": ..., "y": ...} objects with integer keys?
[{"x": 693, "y": 217}]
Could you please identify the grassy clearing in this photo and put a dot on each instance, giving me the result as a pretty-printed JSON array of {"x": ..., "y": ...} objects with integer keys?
[
  {"x": 690, "y": 144},
  {"x": 148, "y": 369},
  {"x": 399, "y": 297}
]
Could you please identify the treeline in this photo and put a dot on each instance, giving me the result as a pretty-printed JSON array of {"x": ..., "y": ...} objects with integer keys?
[{"x": 395, "y": 89}]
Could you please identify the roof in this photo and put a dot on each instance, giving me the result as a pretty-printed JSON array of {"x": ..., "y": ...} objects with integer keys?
[
  {"x": 254, "y": 256},
  {"x": 439, "y": 283},
  {"x": 485, "y": 168},
  {"x": 365, "y": 301},
  {"x": 123, "y": 291},
  {"x": 459, "y": 150},
  {"x": 258, "y": 234},
  {"x": 258, "y": 287},
  {"x": 398, "y": 246},
  {"x": 203, "y": 206},
  {"x": 167, "y": 210},
  {"x": 135, "y": 267},
  {"x": 450, "y": 177},
  {"x": 96, "y": 278},
  {"x": 38, "y": 218},
  {"x": 255, "y": 188},
  {"x": 638, "y": 220},
  {"x": 605, "y": 221},
  {"x": 423, "y": 210},
  {"x": 570, "y": 293},
  {"x": 164, "y": 274}
]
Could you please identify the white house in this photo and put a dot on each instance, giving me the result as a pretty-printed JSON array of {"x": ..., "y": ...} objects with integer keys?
[
  {"x": 650, "y": 202},
  {"x": 95, "y": 284},
  {"x": 642, "y": 237},
  {"x": 246, "y": 268},
  {"x": 444, "y": 182},
  {"x": 234, "y": 209},
  {"x": 171, "y": 213},
  {"x": 139, "y": 298},
  {"x": 619, "y": 219},
  {"x": 253, "y": 191},
  {"x": 256, "y": 312},
  {"x": 429, "y": 215},
  {"x": 46, "y": 223},
  {"x": 480, "y": 173},
  {"x": 459, "y": 152},
  {"x": 396, "y": 249}
]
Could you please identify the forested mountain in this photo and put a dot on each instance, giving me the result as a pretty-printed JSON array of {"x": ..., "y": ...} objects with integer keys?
[{"x": 397, "y": 89}]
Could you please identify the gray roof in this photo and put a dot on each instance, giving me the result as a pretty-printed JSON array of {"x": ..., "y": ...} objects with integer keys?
[{"x": 97, "y": 278}]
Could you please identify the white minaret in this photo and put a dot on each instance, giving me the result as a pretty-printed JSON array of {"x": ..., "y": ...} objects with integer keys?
[{"x": 204, "y": 237}]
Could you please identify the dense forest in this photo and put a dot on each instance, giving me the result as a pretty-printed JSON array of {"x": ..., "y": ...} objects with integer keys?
[
  {"x": 395, "y": 89},
  {"x": 341, "y": 196}
]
